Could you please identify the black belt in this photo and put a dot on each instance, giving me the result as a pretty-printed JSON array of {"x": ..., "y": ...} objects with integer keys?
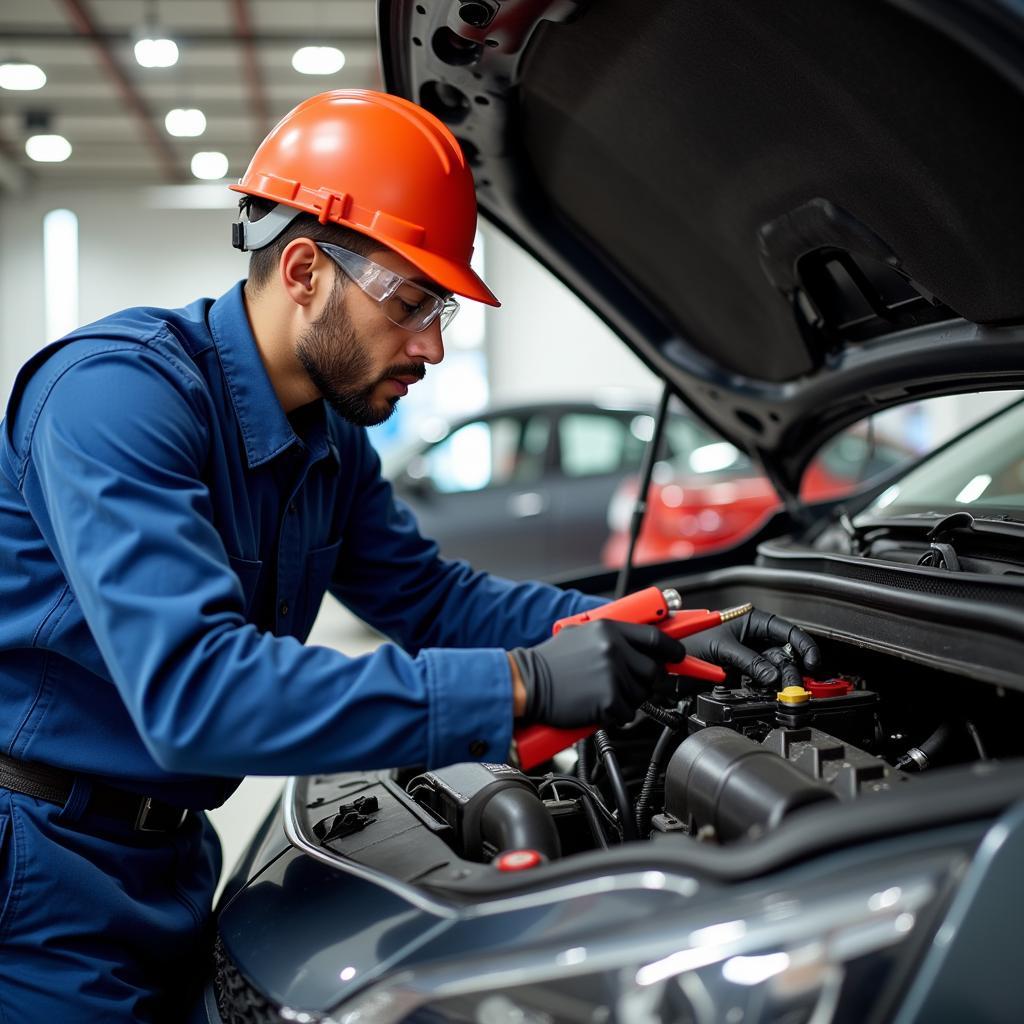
[{"x": 44, "y": 782}]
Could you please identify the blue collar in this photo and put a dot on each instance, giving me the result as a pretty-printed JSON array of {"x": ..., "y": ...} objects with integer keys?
[{"x": 266, "y": 431}]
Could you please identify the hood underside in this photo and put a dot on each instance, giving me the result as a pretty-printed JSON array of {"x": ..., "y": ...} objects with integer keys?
[{"x": 798, "y": 214}]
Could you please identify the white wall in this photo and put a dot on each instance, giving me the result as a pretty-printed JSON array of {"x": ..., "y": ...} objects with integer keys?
[
  {"x": 544, "y": 343},
  {"x": 136, "y": 247}
]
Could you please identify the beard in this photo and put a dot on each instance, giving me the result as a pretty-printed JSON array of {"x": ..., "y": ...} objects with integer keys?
[{"x": 340, "y": 367}]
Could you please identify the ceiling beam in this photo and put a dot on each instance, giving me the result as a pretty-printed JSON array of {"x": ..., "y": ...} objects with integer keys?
[
  {"x": 188, "y": 38},
  {"x": 80, "y": 17},
  {"x": 251, "y": 63}
]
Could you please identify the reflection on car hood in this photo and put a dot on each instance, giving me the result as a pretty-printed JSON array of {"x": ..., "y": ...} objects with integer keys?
[{"x": 778, "y": 209}]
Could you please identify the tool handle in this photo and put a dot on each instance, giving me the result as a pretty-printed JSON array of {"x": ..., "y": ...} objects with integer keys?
[
  {"x": 539, "y": 743},
  {"x": 689, "y": 621},
  {"x": 697, "y": 669},
  {"x": 645, "y": 606}
]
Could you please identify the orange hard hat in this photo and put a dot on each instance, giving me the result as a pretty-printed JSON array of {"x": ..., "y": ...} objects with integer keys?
[{"x": 377, "y": 164}]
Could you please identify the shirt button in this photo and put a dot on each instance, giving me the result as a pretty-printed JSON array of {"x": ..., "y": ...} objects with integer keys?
[
  {"x": 477, "y": 748},
  {"x": 284, "y": 608},
  {"x": 292, "y": 507}
]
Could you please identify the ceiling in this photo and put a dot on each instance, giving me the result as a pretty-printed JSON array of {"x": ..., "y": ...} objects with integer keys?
[{"x": 234, "y": 64}]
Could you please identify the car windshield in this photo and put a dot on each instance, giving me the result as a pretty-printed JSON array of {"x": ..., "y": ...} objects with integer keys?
[{"x": 981, "y": 472}]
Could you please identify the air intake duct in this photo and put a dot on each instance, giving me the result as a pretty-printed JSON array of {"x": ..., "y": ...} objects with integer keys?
[{"x": 721, "y": 778}]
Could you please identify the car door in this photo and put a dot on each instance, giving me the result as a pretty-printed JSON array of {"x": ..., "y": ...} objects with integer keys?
[
  {"x": 480, "y": 492},
  {"x": 595, "y": 448}
]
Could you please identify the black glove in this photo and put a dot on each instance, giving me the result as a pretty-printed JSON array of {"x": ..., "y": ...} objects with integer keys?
[
  {"x": 730, "y": 645},
  {"x": 595, "y": 674}
]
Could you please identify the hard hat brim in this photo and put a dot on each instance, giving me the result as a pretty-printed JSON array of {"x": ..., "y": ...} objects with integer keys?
[{"x": 450, "y": 275}]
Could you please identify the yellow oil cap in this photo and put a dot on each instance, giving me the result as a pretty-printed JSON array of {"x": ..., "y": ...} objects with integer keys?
[{"x": 793, "y": 695}]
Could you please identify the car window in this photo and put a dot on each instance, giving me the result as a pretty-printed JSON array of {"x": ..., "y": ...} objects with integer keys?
[
  {"x": 981, "y": 471},
  {"x": 487, "y": 453},
  {"x": 881, "y": 443},
  {"x": 593, "y": 444}
]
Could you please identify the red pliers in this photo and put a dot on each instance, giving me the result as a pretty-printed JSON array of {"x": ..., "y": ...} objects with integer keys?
[{"x": 536, "y": 744}]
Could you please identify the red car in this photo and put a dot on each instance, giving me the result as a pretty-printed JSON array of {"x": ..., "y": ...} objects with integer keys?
[{"x": 713, "y": 496}]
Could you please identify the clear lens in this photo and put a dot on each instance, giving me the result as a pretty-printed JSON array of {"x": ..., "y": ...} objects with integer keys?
[
  {"x": 820, "y": 952},
  {"x": 408, "y": 305}
]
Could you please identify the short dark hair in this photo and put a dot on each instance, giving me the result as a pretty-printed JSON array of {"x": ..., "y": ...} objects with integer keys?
[{"x": 263, "y": 262}]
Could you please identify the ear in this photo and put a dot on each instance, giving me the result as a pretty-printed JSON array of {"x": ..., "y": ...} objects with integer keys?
[{"x": 307, "y": 276}]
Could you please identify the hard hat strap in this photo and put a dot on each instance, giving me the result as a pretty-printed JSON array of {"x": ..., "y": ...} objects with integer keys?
[{"x": 249, "y": 235}]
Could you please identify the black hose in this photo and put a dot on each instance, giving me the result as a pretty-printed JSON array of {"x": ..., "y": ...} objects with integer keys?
[
  {"x": 515, "y": 818},
  {"x": 651, "y": 778},
  {"x": 582, "y": 760},
  {"x": 606, "y": 752},
  {"x": 670, "y": 719},
  {"x": 591, "y": 804},
  {"x": 919, "y": 758}
]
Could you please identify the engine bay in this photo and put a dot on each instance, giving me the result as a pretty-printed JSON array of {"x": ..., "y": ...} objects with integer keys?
[
  {"x": 703, "y": 766},
  {"x": 727, "y": 763}
]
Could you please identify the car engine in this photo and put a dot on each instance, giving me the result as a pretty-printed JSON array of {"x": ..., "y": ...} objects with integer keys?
[{"x": 726, "y": 763}]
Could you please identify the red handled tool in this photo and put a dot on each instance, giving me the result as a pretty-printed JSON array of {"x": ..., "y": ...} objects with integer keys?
[{"x": 536, "y": 744}]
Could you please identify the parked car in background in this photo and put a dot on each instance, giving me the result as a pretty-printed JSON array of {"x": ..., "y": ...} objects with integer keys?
[
  {"x": 713, "y": 496},
  {"x": 523, "y": 491}
]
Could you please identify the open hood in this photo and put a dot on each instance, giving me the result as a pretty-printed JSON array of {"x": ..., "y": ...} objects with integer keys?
[{"x": 798, "y": 214}]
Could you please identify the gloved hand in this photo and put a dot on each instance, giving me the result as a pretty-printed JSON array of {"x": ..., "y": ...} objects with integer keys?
[
  {"x": 735, "y": 644},
  {"x": 595, "y": 674}
]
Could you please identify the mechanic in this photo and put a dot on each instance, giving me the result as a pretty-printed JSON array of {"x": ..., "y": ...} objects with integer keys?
[{"x": 178, "y": 489}]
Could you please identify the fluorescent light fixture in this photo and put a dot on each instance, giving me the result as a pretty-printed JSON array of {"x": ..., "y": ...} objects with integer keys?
[
  {"x": 156, "y": 52},
  {"x": 318, "y": 60},
  {"x": 185, "y": 122},
  {"x": 210, "y": 166},
  {"x": 21, "y": 77},
  {"x": 48, "y": 149},
  {"x": 60, "y": 272}
]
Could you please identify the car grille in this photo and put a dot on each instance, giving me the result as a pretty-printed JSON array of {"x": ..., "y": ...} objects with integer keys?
[{"x": 237, "y": 1001}]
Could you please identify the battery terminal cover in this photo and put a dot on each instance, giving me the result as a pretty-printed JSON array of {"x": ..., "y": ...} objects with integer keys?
[
  {"x": 793, "y": 695},
  {"x": 837, "y": 687}
]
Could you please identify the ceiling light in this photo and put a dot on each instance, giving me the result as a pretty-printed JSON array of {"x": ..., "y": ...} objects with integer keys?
[
  {"x": 185, "y": 122},
  {"x": 318, "y": 60},
  {"x": 156, "y": 52},
  {"x": 48, "y": 149},
  {"x": 21, "y": 77},
  {"x": 210, "y": 166}
]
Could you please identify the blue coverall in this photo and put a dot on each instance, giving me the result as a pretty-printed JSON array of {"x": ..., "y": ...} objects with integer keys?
[{"x": 167, "y": 533}]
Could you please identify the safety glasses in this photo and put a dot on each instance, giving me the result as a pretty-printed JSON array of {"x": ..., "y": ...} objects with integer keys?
[{"x": 409, "y": 305}]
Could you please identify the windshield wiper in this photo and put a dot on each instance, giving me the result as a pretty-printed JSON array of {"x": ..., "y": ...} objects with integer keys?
[{"x": 940, "y": 532}]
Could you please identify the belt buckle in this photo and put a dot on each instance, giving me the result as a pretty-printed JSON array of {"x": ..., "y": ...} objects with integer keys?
[{"x": 142, "y": 818}]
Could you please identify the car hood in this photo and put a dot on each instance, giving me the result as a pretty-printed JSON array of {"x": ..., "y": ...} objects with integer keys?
[{"x": 796, "y": 214}]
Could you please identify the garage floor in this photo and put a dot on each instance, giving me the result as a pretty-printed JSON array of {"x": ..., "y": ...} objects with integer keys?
[{"x": 238, "y": 819}]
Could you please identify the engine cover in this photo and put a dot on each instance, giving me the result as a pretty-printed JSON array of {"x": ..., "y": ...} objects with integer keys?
[{"x": 720, "y": 779}]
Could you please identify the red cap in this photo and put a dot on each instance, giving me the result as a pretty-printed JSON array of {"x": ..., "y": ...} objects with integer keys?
[
  {"x": 518, "y": 860},
  {"x": 828, "y": 687}
]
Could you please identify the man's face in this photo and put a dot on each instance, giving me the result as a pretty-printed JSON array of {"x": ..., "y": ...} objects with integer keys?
[{"x": 357, "y": 358}]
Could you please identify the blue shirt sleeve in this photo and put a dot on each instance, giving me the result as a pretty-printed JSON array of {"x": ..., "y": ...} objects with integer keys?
[{"x": 114, "y": 481}]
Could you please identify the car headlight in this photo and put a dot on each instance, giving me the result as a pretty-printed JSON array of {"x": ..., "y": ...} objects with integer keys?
[{"x": 826, "y": 951}]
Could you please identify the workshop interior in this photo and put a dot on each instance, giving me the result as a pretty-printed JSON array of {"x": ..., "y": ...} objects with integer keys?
[{"x": 760, "y": 350}]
